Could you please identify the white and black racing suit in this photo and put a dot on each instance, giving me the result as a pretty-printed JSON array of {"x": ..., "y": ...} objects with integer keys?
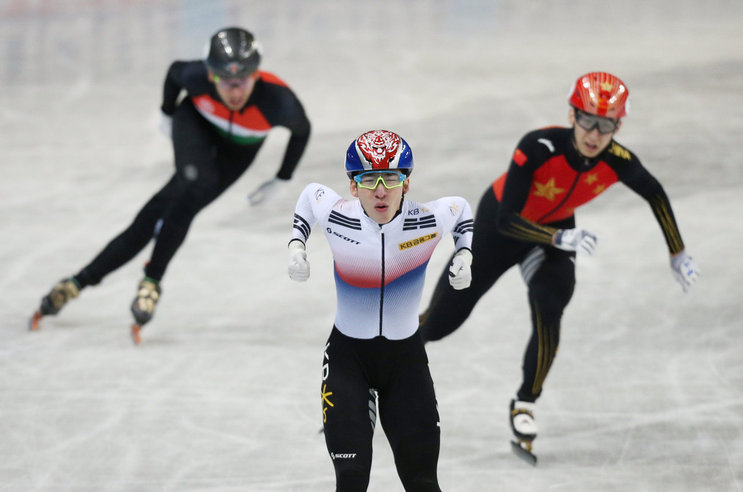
[{"x": 374, "y": 350}]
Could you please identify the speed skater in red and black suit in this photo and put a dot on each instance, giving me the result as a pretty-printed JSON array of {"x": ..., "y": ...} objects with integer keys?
[{"x": 527, "y": 217}]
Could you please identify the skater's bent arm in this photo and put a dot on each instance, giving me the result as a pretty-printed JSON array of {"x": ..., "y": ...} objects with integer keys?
[
  {"x": 509, "y": 220},
  {"x": 172, "y": 87}
]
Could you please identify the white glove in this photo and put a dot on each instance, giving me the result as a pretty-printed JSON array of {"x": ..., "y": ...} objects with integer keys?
[
  {"x": 268, "y": 190},
  {"x": 299, "y": 267},
  {"x": 575, "y": 240},
  {"x": 166, "y": 125},
  {"x": 460, "y": 273},
  {"x": 685, "y": 270}
]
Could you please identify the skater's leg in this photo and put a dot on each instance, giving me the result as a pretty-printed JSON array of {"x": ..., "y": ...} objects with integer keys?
[
  {"x": 206, "y": 165},
  {"x": 550, "y": 275},
  {"x": 132, "y": 240},
  {"x": 550, "y": 290},
  {"x": 408, "y": 413},
  {"x": 348, "y": 422},
  {"x": 117, "y": 252},
  {"x": 492, "y": 254}
]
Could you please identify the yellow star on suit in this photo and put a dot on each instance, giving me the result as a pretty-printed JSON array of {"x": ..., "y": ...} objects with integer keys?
[{"x": 548, "y": 190}]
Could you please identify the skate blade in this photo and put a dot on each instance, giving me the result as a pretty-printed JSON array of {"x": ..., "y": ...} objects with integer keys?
[
  {"x": 522, "y": 449},
  {"x": 136, "y": 329},
  {"x": 33, "y": 324}
]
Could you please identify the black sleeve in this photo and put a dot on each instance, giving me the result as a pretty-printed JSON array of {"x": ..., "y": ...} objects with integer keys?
[
  {"x": 638, "y": 179},
  {"x": 294, "y": 150},
  {"x": 293, "y": 117},
  {"x": 172, "y": 87},
  {"x": 509, "y": 220}
]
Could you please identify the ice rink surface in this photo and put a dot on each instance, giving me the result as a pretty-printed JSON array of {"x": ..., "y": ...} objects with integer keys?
[{"x": 222, "y": 395}]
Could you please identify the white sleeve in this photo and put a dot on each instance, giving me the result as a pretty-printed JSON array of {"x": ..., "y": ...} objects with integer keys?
[
  {"x": 459, "y": 216},
  {"x": 314, "y": 203}
]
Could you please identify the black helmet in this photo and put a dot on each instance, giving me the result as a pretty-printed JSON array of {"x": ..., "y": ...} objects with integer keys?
[{"x": 233, "y": 52}]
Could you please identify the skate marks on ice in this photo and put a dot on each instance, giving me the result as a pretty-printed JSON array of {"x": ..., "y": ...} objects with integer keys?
[{"x": 223, "y": 392}]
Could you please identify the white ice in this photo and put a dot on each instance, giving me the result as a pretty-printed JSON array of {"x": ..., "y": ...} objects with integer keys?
[{"x": 646, "y": 393}]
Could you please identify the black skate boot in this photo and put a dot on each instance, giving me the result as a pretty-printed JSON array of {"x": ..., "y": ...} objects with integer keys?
[
  {"x": 524, "y": 429},
  {"x": 55, "y": 300},
  {"x": 143, "y": 306}
]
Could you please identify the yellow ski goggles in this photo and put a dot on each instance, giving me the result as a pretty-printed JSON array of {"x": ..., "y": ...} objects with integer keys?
[{"x": 371, "y": 179}]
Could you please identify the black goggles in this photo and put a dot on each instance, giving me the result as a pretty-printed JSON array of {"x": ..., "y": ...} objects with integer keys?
[{"x": 590, "y": 121}]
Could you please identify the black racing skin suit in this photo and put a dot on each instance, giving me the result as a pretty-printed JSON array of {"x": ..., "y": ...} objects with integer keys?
[{"x": 213, "y": 146}]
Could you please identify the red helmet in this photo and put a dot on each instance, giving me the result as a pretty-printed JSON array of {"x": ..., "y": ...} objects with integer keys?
[{"x": 600, "y": 93}]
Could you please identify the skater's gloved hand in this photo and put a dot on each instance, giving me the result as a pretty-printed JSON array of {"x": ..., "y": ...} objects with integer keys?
[
  {"x": 685, "y": 269},
  {"x": 575, "y": 240},
  {"x": 267, "y": 191},
  {"x": 166, "y": 125},
  {"x": 299, "y": 267},
  {"x": 460, "y": 273}
]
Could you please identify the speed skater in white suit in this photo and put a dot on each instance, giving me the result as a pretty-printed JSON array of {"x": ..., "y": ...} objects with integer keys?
[{"x": 381, "y": 244}]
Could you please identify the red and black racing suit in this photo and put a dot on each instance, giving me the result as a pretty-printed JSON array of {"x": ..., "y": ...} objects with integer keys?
[
  {"x": 213, "y": 146},
  {"x": 514, "y": 223}
]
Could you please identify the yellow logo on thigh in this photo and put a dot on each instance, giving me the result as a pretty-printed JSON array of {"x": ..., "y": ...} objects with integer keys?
[{"x": 326, "y": 400}]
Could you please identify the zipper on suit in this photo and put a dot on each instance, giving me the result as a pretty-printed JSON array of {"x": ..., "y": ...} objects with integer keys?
[
  {"x": 381, "y": 291},
  {"x": 562, "y": 202}
]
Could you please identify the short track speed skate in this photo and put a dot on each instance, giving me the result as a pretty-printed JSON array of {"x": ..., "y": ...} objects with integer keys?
[
  {"x": 65, "y": 290},
  {"x": 524, "y": 429},
  {"x": 143, "y": 306}
]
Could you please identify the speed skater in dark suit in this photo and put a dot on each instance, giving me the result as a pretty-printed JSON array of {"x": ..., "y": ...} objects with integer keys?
[
  {"x": 527, "y": 218},
  {"x": 374, "y": 358},
  {"x": 218, "y": 113}
]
